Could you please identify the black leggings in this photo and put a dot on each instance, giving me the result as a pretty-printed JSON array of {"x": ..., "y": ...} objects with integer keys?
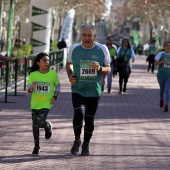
[
  {"x": 151, "y": 63},
  {"x": 151, "y": 66},
  {"x": 84, "y": 107},
  {"x": 122, "y": 77},
  {"x": 39, "y": 121}
]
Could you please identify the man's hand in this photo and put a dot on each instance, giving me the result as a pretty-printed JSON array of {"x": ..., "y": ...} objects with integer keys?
[
  {"x": 72, "y": 79},
  {"x": 95, "y": 65}
]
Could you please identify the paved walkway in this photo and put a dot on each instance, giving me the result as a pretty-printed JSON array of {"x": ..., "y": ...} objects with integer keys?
[{"x": 131, "y": 131}]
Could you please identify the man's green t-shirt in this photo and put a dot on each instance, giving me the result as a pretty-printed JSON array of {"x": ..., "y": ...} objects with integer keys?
[
  {"x": 89, "y": 80},
  {"x": 44, "y": 89}
]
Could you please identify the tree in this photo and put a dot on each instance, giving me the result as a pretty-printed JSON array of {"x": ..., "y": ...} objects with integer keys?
[{"x": 156, "y": 11}]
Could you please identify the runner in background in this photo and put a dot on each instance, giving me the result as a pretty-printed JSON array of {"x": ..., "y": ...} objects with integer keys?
[
  {"x": 162, "y": 60},
  {"x": 113, "y": 51}
]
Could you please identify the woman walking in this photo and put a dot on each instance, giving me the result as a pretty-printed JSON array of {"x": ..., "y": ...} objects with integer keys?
[{"x": 124, "y": 54}]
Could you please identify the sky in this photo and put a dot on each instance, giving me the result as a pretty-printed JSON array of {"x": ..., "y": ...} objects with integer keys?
[{"x": 108, "y": 5}]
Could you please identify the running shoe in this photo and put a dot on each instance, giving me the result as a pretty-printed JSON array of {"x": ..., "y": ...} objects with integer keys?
[
  {"x": 124, "y": 89},
  {"x": 109, "y": 90},
  {"x": 161, "y": 104},
  {"x": 36, "y": 151},
  {"x": 85, "y": 149},
  {"x": 75, "y": 147},
  {"x": 166, "y": 108},
  {"x": 48, "y": 131}
]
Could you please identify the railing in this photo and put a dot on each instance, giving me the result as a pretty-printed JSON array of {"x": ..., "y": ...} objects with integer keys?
[{"x": 16, "y": 70}]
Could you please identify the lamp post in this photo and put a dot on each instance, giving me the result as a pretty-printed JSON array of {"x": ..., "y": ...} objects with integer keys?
[{"x": 9, "y": 44}]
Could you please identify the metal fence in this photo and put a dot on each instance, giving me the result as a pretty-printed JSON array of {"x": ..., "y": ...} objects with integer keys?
[{"x": 16, "y": 71}]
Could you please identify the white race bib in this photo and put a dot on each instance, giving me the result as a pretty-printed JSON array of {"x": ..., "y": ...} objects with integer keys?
[
  {"x": 86, "y": 70},
  {"x": 167, "y": 64},
  {"x": 43, "y": 87}
]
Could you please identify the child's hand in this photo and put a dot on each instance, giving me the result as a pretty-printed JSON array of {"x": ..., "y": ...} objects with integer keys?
[
  {"x": 31, "y": 89},
  {"x": 52, "y": 101},
  {"x": 33, "y": 85}
]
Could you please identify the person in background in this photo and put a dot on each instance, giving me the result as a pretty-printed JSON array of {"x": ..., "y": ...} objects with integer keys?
[
  {"x": 86, "y": 62},
  {"x": 145, "y": 48},
  {"x": 3, "y": 58},
  {"x": 61, "y": 44},
  {"x": 162, "y": 60},
  {"x": 140, "y": 49},
  {"x": 113, "y": 50},
  {"x": 151, "y": 55},
  {"x": 124, "y": 55},
  {"x": 134, "y": 48},
  {"x": 44, "y": 86}
]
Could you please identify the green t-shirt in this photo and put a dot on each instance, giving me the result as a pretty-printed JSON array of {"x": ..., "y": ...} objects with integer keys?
[
  {"x": 152, "y": 50},
  {"x": 89, "y": 80},
  {"x": 164, "y": 69},
  {"x": 112, "y": 52},
  {"x": 44, "y": 89},
  {"x": 127, "y": 55}
]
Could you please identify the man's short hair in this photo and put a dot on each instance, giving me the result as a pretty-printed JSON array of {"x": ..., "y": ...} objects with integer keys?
[{"x": 89, "y": 26}]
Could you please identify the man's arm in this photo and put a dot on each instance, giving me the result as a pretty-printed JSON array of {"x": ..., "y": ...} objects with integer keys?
[
  {"x": 71, "y": 75},
  {"x": 69, "y": 68},
  {"x": 105, "y": 70},
  {"x": 102, "y": 69}
]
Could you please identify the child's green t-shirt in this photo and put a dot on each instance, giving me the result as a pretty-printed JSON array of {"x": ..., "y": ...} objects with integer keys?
[{"x": 44, "y": 89}]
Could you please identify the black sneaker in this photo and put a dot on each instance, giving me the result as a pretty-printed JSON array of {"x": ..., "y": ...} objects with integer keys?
[
  {"x": 166, "y": 108},
  {"x": 161, "y": 103},
  {"x": 85, "y": 149},
  {"x": 109, "y": 90},
  {"x": 36, "y": 151},
  {"x": 124, "y": 89},
  {"x": 75, "y": 147},
  {"x": 48, "y": 132}
]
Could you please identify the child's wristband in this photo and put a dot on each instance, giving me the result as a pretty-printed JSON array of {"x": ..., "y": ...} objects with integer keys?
[{"x": 55, "y": 97}]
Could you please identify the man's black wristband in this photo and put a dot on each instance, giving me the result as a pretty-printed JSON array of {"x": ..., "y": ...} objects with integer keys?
[
  {"x": 55, "y": 97},
  {"x": 101, "y": 69}
]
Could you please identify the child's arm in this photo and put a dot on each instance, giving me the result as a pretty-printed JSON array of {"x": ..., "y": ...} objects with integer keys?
[
  {"x": 56, "y": 93},
  {"x": 31, "y": 89}
]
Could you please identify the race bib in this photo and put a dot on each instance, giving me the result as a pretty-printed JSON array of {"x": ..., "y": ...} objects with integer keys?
[
  {"x": 43, "y": 87},
  {"x": 86, "y": 70},
  {"x": 167, "y": 64}
]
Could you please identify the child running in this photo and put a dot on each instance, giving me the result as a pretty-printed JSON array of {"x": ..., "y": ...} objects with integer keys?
[{"x": 44, "y": 85}]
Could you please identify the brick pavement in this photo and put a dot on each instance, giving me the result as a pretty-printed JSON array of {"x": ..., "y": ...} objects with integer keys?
[{"x": 131, "y": 131}]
